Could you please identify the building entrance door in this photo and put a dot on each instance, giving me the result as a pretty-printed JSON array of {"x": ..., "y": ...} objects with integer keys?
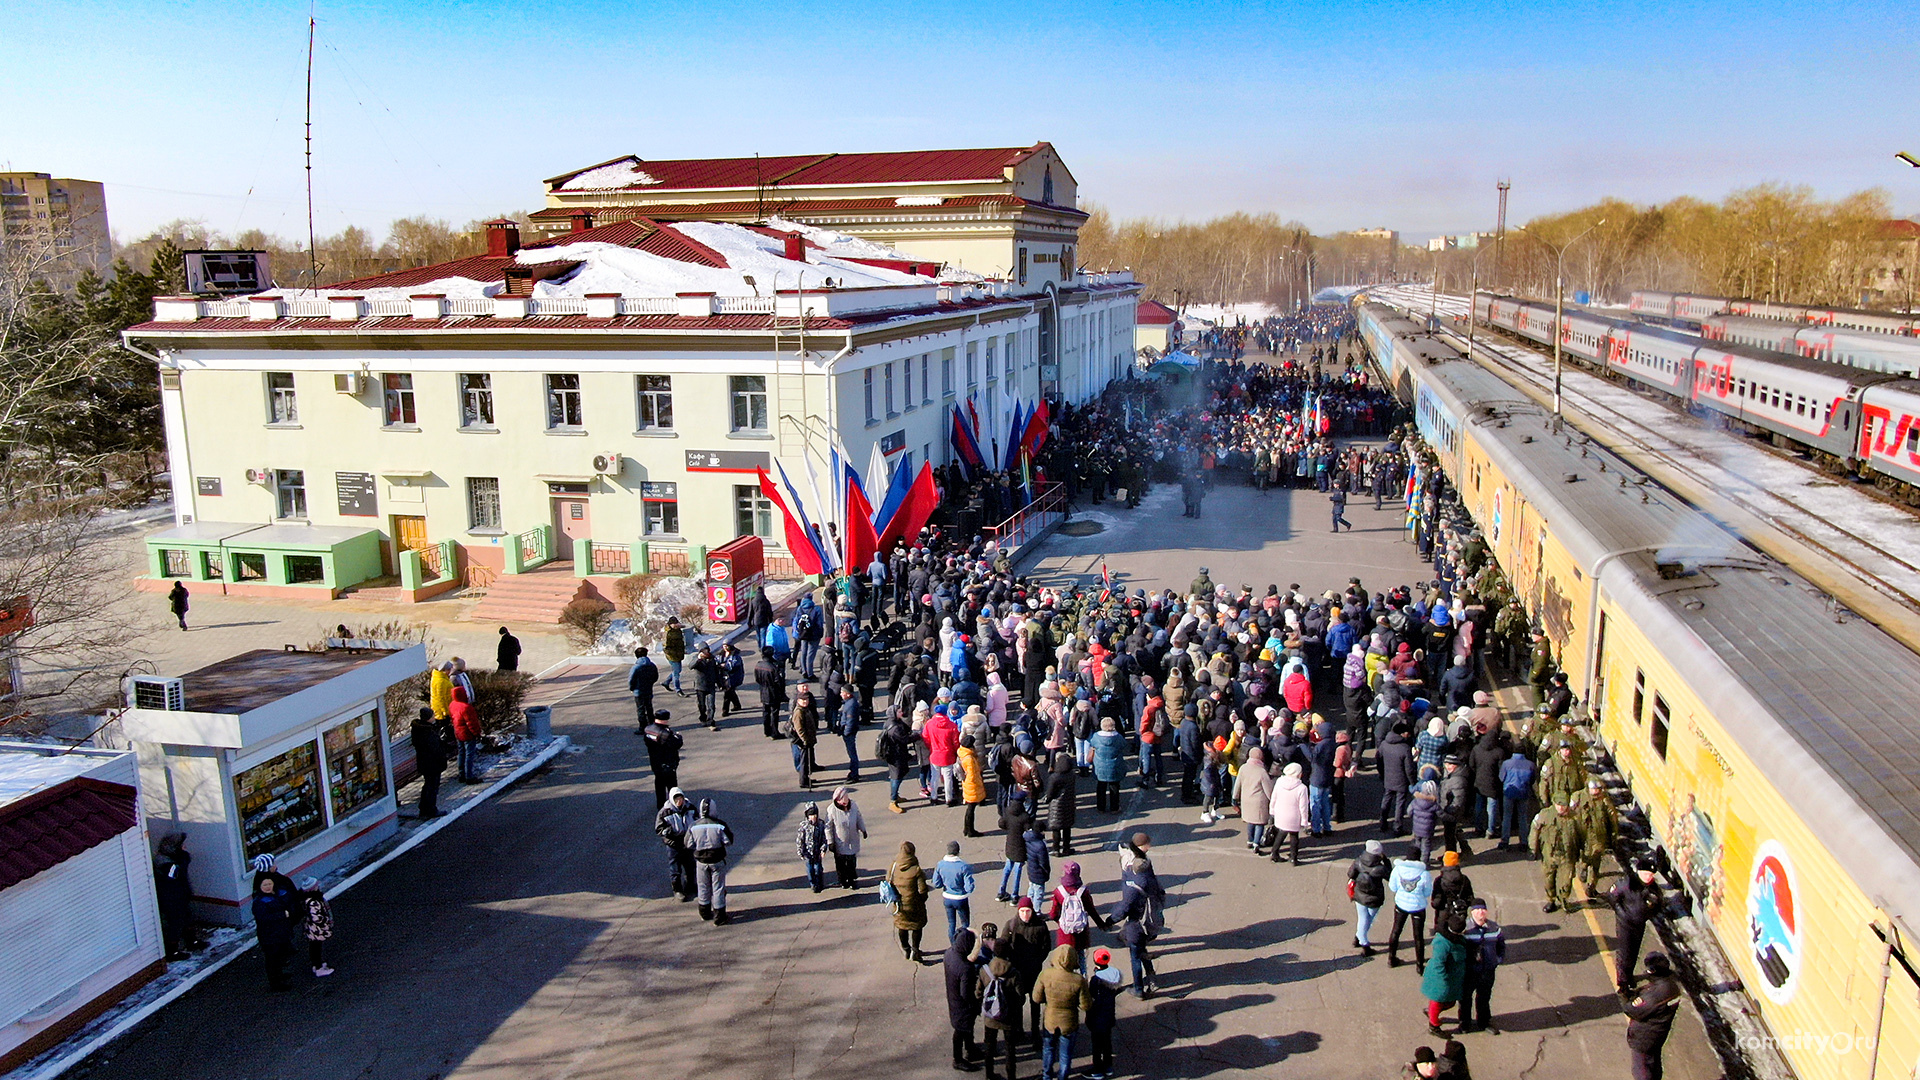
[
  {"x": 570, "y": 523},
  {"x": 409, "y": 534}
]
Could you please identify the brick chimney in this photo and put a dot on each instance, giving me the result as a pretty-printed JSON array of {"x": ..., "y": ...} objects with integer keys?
[
  {"x": 580, "y": 220},
  {"x": 503, "y": 237},
  {"x": 796, "y": 247}
]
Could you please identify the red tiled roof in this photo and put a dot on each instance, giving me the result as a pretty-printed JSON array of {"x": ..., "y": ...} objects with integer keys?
[
  {"x": 904, "y": 167},
  {"x": 49, "y": 827},
  {"x": 1153, "y": 313},
  {"x": 1900, "y": 229},
  {"x": 473, "y": 268},
  {"x": 797, "y": 209}
]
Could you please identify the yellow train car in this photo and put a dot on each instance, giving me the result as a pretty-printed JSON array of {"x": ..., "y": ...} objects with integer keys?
[{"x": 1765, "y": 733}]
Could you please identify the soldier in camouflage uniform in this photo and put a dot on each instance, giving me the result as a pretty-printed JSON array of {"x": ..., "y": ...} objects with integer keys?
[
  {"x": 1562, "y": 777},
  {"x": 1599, "y": 827},
  {"x": 1201, "y": 586},
  {"x": 1541, "y": 673},
  {"x": 1555, "y": 841}
]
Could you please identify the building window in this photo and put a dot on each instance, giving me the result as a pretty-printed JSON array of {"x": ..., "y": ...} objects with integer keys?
[
  {"x": 356, "y": 774},
  {"x": 1021, "y": 270},
  {"x": 946, "y": 372},
  {"x": 866, "y": 393},
  {"x": 906, "y": 384},
  {"x": 991, "y": 369},
  {"x": 926, "y": 380},
  {"x": 752, "y": 512},
  {"x": 483, "y": 502},
  {"x": 662, "y": 501},
  {"x": 279, "y": 802},
  {"x": 563, "y": 402},
  {"x": 656, "y": 402},
  {"x": 397, "y": 393},
  {"x": 973, "y": 366},
  {"x": 290, "y": 488},
  {"x": 891, "y": 411},
  {"x": 281, "y": 407},
  {"x": 476, "y": 401},
  {"x": 749, "y": 402}
]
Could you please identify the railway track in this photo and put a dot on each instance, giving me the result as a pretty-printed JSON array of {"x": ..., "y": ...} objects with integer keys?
[{"x": 1870, "y": 546}]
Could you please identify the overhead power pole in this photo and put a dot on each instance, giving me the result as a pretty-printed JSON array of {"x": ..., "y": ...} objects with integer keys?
[{"x": 1500, "y": 232}]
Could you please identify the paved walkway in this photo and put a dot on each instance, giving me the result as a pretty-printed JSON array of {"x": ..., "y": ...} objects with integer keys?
[{"x": 536, "y": 937}]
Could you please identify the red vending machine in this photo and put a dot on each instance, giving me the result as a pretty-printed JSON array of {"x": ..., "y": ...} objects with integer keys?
[{"x": 735, "y": 575}]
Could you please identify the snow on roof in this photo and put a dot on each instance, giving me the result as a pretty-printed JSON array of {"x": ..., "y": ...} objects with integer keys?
[
  {"x": 611, "y": 176},
  {"x": 837, "y": 243},
  {"x": 25, "y": 769},
  {"x": 628, "y": 270}
]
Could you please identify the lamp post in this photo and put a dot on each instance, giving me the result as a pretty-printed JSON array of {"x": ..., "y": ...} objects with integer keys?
[
  {"x": 1559, "y": 301},
  {"x": 1473, "y": 295}
]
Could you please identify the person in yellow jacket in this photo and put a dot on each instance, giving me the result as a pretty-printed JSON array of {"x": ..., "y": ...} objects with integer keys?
[
  {"x": 973, "y": 782},
  {"x": 440, "y": 689}
]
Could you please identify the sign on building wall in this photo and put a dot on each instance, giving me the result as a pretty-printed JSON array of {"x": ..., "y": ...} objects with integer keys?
[
  {"x": 745, "y": 461},
  {"x": 207, "y": 485},
  {"x": 356, "y": 494},
  {"x": 893, "y": 442}
]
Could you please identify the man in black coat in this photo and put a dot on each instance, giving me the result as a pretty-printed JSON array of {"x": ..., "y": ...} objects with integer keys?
[
  {"x": 1636, "y": 899},
  {"x": 173, "y": 887},
  {"x": 1490, "y": 751},
  {"x": 506, "y": 655},
  {"x": 706, "y": 669},
  {"x": 430, "y": 757},
  {"x": 640, "y": 682},
  {"x": 1650, "y": 1018},
  {"x": 663, "y": 756},
  {"x": 771, "y": 677},
  {"x": 1397, "y": 776}
]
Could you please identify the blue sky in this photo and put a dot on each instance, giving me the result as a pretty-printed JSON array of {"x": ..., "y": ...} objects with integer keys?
[{"x": 1342, "y": 115}]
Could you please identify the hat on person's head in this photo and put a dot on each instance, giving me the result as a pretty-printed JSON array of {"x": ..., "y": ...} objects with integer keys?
[
  {"x": 1423, "y": 1055},
  {"x": 262, "y": 864},
  {"x": 1595, "y": 784},
  {"x": 1481, "y": 697},
  {"x": 1374, "y": 847},
  {"x": 1643, "y": 864},
  {"x": 309, "y": 883},
  {"x": 1476, "y": 904},
  {"x": 1025, "y": 902},
  {"x": 1101, "y": 958},
  {"x": 1657, "y": 964},
  {"x": 1451, "y": 858},
  {"x": 812, "y": 810}
]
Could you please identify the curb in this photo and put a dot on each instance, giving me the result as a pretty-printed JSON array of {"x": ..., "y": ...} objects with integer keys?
[{"x": 133, "y": 1019}]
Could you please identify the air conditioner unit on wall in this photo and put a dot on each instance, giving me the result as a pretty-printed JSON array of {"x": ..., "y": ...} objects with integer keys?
[
  {"x": 260, "y": 476},
  {"x": 145, "y": 692},
  {"x": 350, "y": 383},
  {"x": 606, "y": 464}
]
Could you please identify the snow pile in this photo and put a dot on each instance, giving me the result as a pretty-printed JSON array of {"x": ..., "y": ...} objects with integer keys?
[
  {"x": 619, "y": 174},
  {"x": 838, "y": 243},
  {"x": 669, "y": 597},
  {"x": 920, "y": 200}
]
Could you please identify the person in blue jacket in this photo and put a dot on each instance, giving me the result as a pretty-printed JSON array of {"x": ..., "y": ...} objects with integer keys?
[
  {"x": 1412, "y": 886},
  {"x": 954, "y": 878},
  {"x": 273, "y": 922}
]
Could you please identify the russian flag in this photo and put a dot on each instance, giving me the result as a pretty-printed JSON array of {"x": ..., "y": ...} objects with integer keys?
[
  {"x": 966, "y": 448},
  {"x": 1038, "y": 422},
  {"x": 885, "y": 517},
  {"x": 799, "y": 532},
  {"x": 1014, "y": 432},
  {"x": 860, "y": 539},
  {"x": 916, "y": 509}
]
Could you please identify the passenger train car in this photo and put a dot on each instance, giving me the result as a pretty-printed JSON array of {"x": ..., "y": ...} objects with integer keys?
[
  {"x": 1857, "y": 416},
  {"x": 1768, "y": 742},
  {"x": 1687, "y": 308},
  {"x": 1855, "y": 348}
]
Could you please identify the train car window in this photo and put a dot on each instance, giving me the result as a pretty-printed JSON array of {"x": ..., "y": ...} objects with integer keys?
[
  {"x": 1661, "y": 726},
  {"x": 1639, "y": 695},
  {"x": 1913, "y": 440}
]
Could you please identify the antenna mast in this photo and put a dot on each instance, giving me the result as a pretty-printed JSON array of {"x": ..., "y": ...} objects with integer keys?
[{"x": 313, "y": 264}]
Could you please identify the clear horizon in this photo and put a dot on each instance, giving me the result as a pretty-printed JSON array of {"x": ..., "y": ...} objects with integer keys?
[{"x": 1396, "y": 115}]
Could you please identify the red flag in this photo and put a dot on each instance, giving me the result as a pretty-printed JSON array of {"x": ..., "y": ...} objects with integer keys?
[
  {"x": 799, "y": 544},
  {"x": 1035, "y": 436},
  {"x": 922, "y": 499},
  {"x": 861, "y": 542}
]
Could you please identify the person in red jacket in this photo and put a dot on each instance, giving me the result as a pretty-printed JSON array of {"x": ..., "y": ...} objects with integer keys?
[
  {"x": 943, "y": 752},
  {"x": 466, "y": 730}
]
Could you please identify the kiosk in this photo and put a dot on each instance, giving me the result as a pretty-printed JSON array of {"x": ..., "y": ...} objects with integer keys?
[
  {"x": 736, "y": 572},
  {"x": 270, "y": 752}
]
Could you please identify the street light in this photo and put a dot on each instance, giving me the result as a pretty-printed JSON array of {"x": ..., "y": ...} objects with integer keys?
[
  {"x": 1559, "y": 300},
  {"x": 1473, "y": 294}
]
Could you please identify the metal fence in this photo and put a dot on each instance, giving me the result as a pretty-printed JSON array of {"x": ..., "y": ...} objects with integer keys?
[{"x": 1048, "y": 508}]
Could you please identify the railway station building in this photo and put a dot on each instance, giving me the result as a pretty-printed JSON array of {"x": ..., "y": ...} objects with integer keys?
[{"x": 605, "y": 395}]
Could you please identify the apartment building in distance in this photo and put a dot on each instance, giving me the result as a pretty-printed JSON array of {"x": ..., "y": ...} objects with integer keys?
[
  {"x": 600, "y": 399},
  {"x": 60, "y": 225}
]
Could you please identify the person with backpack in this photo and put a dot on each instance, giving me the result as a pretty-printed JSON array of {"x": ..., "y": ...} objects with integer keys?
[
  {"x": 1073, "y": 911},
  {"x": 808, "y": 628},
  {"x": 1000, "y": 998},
  {"x": 960, "y": 965},
  {"x": 1103, "y": 987},
  {"x": 776, "y": 642},
  {"x": 1412, "y": 886},
  {"x": 1062, "y": 991},
  {"x": 1452, "y": 890}
]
